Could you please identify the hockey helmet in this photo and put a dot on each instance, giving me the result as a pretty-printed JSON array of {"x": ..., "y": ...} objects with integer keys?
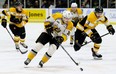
[
  {"x": 67, "y": 14},
  {"x": 99, "y": 9},
  {"x": 74, "y": 5}
]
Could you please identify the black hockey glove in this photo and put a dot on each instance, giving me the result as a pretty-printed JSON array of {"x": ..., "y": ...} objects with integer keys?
[
  {"x": 59, "y": 39},
  {"x": 49, "y": 29},
  {"x": 111, "y": 29},
  {"x": 4, "y": 23}
]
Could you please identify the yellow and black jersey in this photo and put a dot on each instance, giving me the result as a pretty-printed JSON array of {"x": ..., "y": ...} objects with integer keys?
[
  {"x": 59, "y": 27},
  {"x": 16, "y": 18},
  {"x": 91, "y": 21},
  {"x": 77, "y": 15}
]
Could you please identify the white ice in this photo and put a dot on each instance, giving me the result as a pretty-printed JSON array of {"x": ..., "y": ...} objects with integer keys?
[{"x": 12, "y": 62}]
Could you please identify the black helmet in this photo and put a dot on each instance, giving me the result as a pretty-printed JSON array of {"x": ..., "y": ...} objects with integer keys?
[
  {"x": 17, "y": 4},
  {"x": 99, "y": 9}
]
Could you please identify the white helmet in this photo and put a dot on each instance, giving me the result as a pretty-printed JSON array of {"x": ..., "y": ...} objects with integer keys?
[
  {"x": 74, "y": 5},
  {"x": 67, "y": 14}
]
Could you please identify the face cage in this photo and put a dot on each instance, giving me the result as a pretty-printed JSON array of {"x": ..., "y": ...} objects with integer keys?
[
  {"x": 99, "y": 14},
  {"x": 66, "y": 19}
]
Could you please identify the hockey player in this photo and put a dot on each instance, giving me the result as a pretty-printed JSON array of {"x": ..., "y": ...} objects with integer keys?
[
  {"x": 86, "y": 27},
  {"x": 57, "y": 28},
  {"x": 18, "y": 19},
  {"x": 77, "y": 14}
]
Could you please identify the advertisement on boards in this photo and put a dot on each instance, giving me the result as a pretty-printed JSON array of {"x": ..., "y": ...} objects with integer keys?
[{"x": 36, "y": 15}]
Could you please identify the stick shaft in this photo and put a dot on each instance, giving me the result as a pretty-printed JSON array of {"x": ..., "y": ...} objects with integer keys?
[
  {"x": 69, "y": 55},
  {"x": 10, "y": 34},
  {"x": 91, "y": 41}
]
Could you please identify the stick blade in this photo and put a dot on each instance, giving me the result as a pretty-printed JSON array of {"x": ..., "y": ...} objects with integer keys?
[{"x": 23, "y": 52}]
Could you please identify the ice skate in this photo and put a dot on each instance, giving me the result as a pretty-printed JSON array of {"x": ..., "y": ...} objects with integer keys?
[
  {"x": 41, "y": 64},
  {"x": 24, "y": 45},
  {"x": 17, "y": 46},
  {"x": 71, "y": 40},
  {"x": 27, "y": 61},
  {"x": 95, "y": 55}
]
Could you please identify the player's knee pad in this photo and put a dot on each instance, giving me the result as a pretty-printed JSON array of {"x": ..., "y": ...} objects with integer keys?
[
  {"x": 76, "y": 47},
  {"x": 16, "y": 39},
  {"x": 38, "y": 47},
  {"x": 52, "y": 49},
  {"x": 96, "y": 45},
  {"x": 55, "y": 43},
  {"x": 22, "y": 40},
  {"x": 73, "y": 31},
  {"x": 98, "y": 41}
]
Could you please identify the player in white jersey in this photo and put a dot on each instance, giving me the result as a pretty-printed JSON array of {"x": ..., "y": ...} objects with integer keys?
[
  {"x": 57, "y": 28},
  {"x": 77, "y": 15}
]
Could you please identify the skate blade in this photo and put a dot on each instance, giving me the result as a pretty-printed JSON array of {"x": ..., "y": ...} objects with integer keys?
[{"x": 96, "y": 58}]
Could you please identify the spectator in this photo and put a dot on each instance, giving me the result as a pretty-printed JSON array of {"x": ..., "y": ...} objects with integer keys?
[
  {"x": 28, "y": 4},
  {"x": 64, "y": 3},
  {"x": 45, "y": 4},
  {"x": 112, "y": 3},
  {"x": 14, "y": 1},
  {"x": 95, "y": 3},
  {"x": 85, "y": 4},
  {"x": 36, "y": 4},
  {"x": 59, "y": 4},
  {"x": 104, "y": 3}
]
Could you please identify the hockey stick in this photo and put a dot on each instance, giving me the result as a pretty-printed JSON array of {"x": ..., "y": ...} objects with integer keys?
[
  {"x": 66, "y": 52},
  {"x": 71, "y": 57},
  {"x": 77, "y": 64},
  {"x": 22, "y": 52},
  {"x": 90, "y": 41},
  {"x": 97, "y": 38}
]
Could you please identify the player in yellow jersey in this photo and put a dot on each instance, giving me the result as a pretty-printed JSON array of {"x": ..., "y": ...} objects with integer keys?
[
  {"x": 77, "y": 14},
  {"x": 86, "y": 27},
  {"x": 18, "y": 19},
  {"x": 57, "y": 28}
]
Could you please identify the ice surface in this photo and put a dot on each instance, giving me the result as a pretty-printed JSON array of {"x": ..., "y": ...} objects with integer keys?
[{"x": 11, "y": 61}]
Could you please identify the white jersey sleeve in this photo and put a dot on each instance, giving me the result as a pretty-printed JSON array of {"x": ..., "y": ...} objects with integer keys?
[{"x": 50, "y": 19}]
